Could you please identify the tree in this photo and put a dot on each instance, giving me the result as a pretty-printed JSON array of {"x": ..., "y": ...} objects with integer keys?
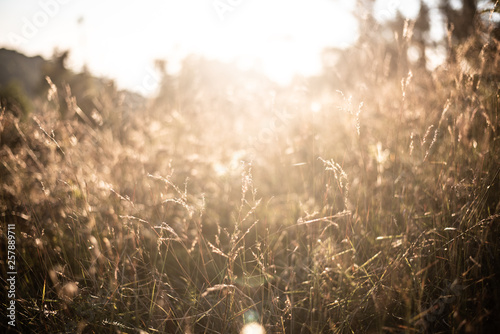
[
  {"x": 421, "y": 33},
  {"x": 474, "y": 37}
]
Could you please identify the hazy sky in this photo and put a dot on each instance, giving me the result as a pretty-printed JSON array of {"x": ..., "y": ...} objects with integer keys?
[{"x": 120, "y": 39}]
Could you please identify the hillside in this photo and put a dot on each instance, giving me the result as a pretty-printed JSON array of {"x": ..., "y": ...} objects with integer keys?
[{"x": 27, "y": 70}]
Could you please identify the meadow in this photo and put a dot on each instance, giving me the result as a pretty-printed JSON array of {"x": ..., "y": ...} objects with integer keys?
[{"x": 363, "y": 200}]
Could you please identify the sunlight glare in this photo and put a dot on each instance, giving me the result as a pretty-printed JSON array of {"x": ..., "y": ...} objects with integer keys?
[
  {"x": 316, "y": 107},
  {"x": 287, "y": 37}
]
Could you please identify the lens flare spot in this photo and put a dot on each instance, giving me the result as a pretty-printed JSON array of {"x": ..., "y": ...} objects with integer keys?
[{"x": 253, "y": 328}]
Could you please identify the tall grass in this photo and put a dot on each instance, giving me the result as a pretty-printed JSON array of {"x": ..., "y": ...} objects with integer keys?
[{"x": 377, "y": 213}]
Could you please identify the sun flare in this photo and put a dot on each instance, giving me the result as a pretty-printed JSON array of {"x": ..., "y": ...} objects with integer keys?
[
  {"x": 253, "y": 328},
  {"x": 280, "y": 38}
]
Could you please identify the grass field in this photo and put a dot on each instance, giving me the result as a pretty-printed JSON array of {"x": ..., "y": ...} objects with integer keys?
[{"x": 362, "y": 205}]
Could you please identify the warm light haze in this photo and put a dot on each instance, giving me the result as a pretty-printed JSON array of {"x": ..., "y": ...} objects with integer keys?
[
  {"x": 121, "y": 39},
  {"x": 250, "y": 166}
]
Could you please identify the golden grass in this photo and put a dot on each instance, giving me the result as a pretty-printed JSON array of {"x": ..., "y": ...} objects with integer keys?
[{"x": 377, "y": 218}]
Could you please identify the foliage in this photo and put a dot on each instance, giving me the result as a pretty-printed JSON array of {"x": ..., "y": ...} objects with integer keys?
[{"x": 14, "y": 98}]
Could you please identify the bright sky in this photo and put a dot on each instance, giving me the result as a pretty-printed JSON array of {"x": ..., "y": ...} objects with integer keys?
[{"x": 120, "y": 39}]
